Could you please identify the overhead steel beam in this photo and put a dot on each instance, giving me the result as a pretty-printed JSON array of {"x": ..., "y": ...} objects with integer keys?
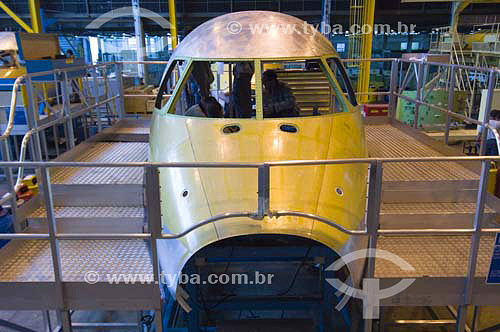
[
  {"x": 172, "y": 15},
  {"x": 366, "y": 49},
  {"x": 139, "y": 38},
  {"x": 36, "y": 19},
  {"x": 15, "y": 17}
]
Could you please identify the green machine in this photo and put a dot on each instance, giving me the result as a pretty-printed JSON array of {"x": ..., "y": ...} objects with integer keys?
[{"x": 428, "y": 117}]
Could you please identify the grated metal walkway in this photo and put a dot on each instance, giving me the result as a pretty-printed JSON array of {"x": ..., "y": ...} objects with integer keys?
[
  {"x": 31, "y": 260},
  {"x": 91, "y": 211},
  {"x": 386, "y": 141},
  {"x": 105, "y": 152},
  {"x": 433, "y": 256},
  {"x": 431, "y": 208}
]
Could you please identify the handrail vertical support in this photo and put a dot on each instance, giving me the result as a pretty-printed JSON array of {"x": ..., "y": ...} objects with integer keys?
[
  {"x": 487, "y": 110},
  {"x": 264, "y": 190},
  {"x": 54, "y": 248},
  {"x": 5, "y": 150},
  {"x": 119, "y": 79},
  {"x": 153, "y": 201},
  {"x": 451, "y": 99},
  {"x": 95, "y": 92},
  {"x": 373, "y": 221},
  {"x": 31, "y": 118},
  {"x": 67, "y": 109},
  {"x": 394, "y": 83},
  {"x": 420, "y": 85},
  {"x": 474, "y": 248}
]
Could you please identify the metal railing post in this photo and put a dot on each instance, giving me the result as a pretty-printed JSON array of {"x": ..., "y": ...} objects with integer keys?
[
  {"x": 420, "y": 84},
  {"x": 451, "y": 99},
  {"x": 31, "y": 119},
  {"x": 119, "y": 77},
  {"x": 67, "y": 109},
  {"x": 153, "y": 202},
  {"x": 264, "y": 190},
  {"x": 487, "y": 110},
  {"x": 5, "y": 150},
  {"x": 373, "y": 222},
  {"x": 54, "y": 248},
  {"x": 475, "y": 241},
  {"x": 394, "y": 84},
  {"x": 95, "y": 92}
]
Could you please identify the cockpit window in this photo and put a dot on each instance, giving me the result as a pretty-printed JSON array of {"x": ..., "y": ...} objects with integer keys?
[
  {"x": 228, "y": 89},
  {"x": 344, "y": 82},
  {"x": 216, "y": 90},
  {"x": 298, "y": 88},
  {"x": 169, "y": 81}
]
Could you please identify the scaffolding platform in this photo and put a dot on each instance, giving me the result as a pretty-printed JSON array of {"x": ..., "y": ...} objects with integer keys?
[
  {"x": 87, "y": 200},
  {"x": 423, "y": 195},
  {"x": 431, "y": 195}
]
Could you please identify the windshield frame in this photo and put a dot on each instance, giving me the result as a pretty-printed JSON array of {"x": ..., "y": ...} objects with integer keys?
[{"x": 258, "y": 65}]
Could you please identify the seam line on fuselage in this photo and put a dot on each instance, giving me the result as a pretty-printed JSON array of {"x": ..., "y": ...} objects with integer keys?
[
  {"x": 201, "y": 178},
  {"x": 324, "y": 172}
]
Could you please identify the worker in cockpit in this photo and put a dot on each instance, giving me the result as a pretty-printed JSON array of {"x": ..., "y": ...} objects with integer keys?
[
  {"x": 277, "y": 97},
  {"x": 241, "y": 94}
]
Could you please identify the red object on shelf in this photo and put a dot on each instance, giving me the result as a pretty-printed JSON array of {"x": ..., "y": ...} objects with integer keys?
[{"x": 376, "y": 109}]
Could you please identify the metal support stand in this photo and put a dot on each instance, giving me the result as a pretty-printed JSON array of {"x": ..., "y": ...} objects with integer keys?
[
  {"x": 393, "y": 99},
  {"x": 264, "y": 191},
  {"x": 95, "y": 92},
  {"x": 31, "y": 118},
  {"x": 476, "y": 238},
  {"x": 154, "y": 226},
  {"x": 451, "y": 98},
  {"x": 10, "y": 183},
  {"x": 420, "y": 85},
  {"x": 67, "y": 110},
  {"x": 373, "y": 222},
  {"x": 47, "y": 324},
  {"x": 14, "y": 327},
  {"x": 63, "y": 314},
  {"x": 492, "y": 80},
  {"x": 119, "y": 80},
  {"x": 475, "y": 318}
]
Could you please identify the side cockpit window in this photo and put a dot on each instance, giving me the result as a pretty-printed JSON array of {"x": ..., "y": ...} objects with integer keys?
[
  {"x": 343, "y": 79},
  {"x": 216, "y": 90},
  {"x": 169, "y": 81}
]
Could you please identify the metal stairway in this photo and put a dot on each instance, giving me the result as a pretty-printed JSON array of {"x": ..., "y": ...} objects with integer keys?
[
  {"x": 310, "y": 88},
  {"x": 432, "y": 195},
  {"x": 423, "y": 195},
  {"x": 88, "y": 200}
]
